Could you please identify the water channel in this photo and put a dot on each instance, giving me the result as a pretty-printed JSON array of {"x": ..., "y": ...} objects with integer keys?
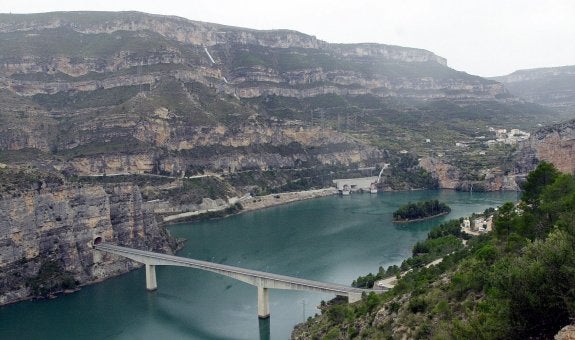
[{"x": 331, "y": 239}]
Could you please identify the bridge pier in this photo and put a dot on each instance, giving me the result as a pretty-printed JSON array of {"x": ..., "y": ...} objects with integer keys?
[
  {"x": 263, "y": 303},
  {"x": 353, "y": 297},
  {"x": 151, "y": 283}
]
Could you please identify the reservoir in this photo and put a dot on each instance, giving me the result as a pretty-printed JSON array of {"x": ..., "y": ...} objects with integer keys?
[{"x": 331, "y": 239}]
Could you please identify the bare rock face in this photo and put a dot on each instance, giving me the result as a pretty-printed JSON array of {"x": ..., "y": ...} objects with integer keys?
[
  {"x": 245, "y": 146},
  {"x": 446, "y": 174},
  {"x": 554, "y": 144},
  {"x": 56, "y": 228},
  {"x": 500, "y": 182},
  {"x": 566, "y": 333},
  {"x": 449, "y": 177}
]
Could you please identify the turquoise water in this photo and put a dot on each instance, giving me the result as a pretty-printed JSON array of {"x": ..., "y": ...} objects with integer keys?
[{"x": 332, "y": 239}]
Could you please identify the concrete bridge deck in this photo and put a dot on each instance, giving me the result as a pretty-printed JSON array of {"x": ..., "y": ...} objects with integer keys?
[{"x": 262, "y": 280}]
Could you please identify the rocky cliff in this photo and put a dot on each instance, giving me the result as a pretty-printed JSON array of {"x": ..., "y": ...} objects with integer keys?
[
  {"x": 553, "y": 87},
  {"x": 46, "y": 237},
  {"x": 450, "y": 177},
  {"x": 554, "y": 143},
  {"x": 241, "y": 61},
  {"x": 106, "y": 93}
]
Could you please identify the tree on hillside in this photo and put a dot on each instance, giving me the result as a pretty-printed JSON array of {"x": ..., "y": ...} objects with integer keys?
[{"x": 542, "y": 176}]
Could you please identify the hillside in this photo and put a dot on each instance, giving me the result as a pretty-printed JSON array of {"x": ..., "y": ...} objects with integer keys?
[
  {"x": 553, "y": 87},
  {"x": 513, "y": 283},
  {"x": 127, "y": 92}
]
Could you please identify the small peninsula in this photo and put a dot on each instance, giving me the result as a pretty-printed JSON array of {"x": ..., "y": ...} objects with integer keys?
[{"x": 418, "y": 211}]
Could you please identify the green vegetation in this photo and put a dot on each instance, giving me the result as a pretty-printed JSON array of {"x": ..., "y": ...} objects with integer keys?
[
  {"x": 139, "y": 180},
  {"x": 420, "y": 210},
  {"x": 368, "y": 280},
  {"x": 310, "y": 175},
  {"x": 13, "y": 181},
  {"x": 85, "y": 99},
  {"x": 194, "y": 190},
  {"x": 77, "y": 45},
  {"x": 225, "y": 109},
  {"x": 50, "y": 279},
  {"x": 405, "y": 174},
  {"x": 514, "y": 283},
  {"x": 128, "y": 145},
  {"x": 23, "y": 155},
  {"x": 232, "y": 209},
  {"x": 441, "y": 240},
  {"x": 283, "y": 180}
]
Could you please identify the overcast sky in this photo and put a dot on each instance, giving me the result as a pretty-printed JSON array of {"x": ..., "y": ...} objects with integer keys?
[{"x": 483, "y": 37}]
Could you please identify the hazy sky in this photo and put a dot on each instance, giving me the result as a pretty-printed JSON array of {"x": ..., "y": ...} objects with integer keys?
[{"x": 484, "y": 37}]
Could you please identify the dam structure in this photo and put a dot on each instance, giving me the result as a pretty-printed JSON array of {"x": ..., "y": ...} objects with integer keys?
[{"x": 262, "y": 280}]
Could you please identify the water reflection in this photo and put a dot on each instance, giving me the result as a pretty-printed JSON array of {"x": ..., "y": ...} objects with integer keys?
[{"x": 265, "y": 329}]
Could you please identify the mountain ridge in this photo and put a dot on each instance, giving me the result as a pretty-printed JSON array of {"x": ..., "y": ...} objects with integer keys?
[
  {"x": 132, "y": 92},
  {"x": 206, "y": 26},
  {"x": 551, "y": 87}
]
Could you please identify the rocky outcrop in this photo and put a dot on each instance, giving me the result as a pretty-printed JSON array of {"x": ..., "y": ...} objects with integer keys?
[
  {"x": 388, "y": 52},
  {"x": 245, "y": 146},
  {"x": 498, "y": 181},
  {"x": 58, "y": 227},
  {"x": 566, "y": 333},
  {"x": 449, "y": 177},
  {"x": 174, "y": 28},
  {"x": 555, "y": 144}
]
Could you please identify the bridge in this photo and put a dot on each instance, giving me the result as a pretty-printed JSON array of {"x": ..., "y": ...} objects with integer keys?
[{"x": 262, "y": 280}]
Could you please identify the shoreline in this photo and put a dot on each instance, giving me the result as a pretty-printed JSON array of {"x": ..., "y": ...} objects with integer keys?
[
  {"x": 248, "y": 204},
  {"x": 272, "y": 200},
  {"x": 268, "y": 201}
]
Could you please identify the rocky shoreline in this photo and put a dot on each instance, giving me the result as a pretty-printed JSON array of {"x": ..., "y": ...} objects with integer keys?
[{"x": 244, "y": 204}]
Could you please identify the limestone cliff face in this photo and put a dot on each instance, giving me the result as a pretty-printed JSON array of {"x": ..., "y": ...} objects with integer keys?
[
  {"x": 555, "y": 144},
  {"x": 61, "y": 225},
  {"x": 446, "y": 174},
  {"x": 388, "y": 52},
  {"x": 284, "y": 60},
  {"x": 449, "y": 177},
  {"x": 244, "y": 146},
  {"x": 176, "y": 28}
]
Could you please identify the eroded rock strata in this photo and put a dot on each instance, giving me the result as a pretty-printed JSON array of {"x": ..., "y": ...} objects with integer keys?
[
  {"x": 46, "y": 237},
  {"x": 554, "y": 143}
]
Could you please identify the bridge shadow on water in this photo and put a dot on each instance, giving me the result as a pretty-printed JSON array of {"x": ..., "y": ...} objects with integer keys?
[
  {"x": 174, "y": 319},
  {"x": 186, "y": 326}
]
